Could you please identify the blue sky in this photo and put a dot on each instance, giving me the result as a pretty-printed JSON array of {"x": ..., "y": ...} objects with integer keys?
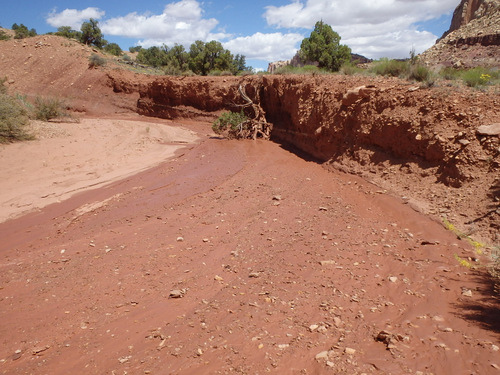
[{"x": 263, "y": 31}]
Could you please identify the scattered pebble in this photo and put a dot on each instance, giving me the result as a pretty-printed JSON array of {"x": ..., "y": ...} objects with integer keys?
[{"x": 393, "y": 279}]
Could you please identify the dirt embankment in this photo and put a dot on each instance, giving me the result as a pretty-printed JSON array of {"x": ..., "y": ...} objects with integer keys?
[{"x": 422, "y": 144}]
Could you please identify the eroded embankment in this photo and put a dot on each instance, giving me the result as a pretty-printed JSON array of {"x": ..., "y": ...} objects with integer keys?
[{"x": 423, "y": 144}]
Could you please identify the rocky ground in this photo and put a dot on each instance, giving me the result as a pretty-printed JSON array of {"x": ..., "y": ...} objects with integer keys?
[{"x": 246, "y": 257}]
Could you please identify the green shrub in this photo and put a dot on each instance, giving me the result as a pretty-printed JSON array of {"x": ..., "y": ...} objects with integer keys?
[
  {"x": 350, "y": 69},
  {"x": 449, "y": 73},
  {"x": 46, "y": 109},
  {"x": 4, "y": 35},
  {"x": 479, "y": 77},
  {"x": 13, "y": 120},
  {"x": 230, "y": 123},
  {"x": 96, "y": 60},
  {"x": 420, "y": 73},
  {"x": 217, "y": 72},
  {"x": 393, "y": 68},
  {"x": 22, "y": 31},
  {"x": 113, "y": 49}
]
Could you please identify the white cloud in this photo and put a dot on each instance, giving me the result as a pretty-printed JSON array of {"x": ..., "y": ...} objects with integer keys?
[
  {"x": 372, "y": 28},
  {"x": 267, "y": 47},
  {"x": 73, "y": 17},
  {"x": 181, "y": 22}
]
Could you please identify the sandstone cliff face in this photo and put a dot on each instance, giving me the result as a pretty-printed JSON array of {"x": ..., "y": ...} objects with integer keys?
[
  {"x": 467, "y": 11},
  {"x": 473, "y": 38}
]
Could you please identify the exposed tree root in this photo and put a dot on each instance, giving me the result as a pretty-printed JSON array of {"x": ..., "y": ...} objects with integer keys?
[{"x": 256, "y": 125}]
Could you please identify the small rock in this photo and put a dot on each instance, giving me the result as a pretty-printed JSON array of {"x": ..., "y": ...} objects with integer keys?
[
  {"x": 277, "y": 198},
  {"x": 323, "y": 209},
  {"x": 330, "y": 363},
  {"x": 176, "y": 293},
  {"x": 124, "y": 359},
  {"x": 327, "y": 262},
  {"x": 40, "y": 349},
  {"x": 464, "y": 142},
  {"x": 283, "y": 346},
  {"x": 393, "y": 279},
  {"x": 493, "y": 129},
  {"x": 180, "y": 239},
  {"x": 313, "y": 327},
  {"x": 350, "y": 351},
  {"x": 467, "y": 292},
  {"x": 218, "y": 278},
  {"x": 322, "y": 355},
  {"x": 495, "y": 348},
  {"x": 254, "y": 274},
  {"x": 337, "y": 321}
]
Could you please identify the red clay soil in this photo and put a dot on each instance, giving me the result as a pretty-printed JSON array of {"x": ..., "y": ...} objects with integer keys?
[{"x": 243, "y": 257}]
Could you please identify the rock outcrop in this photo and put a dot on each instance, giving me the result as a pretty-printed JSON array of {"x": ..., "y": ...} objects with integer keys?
[
  {"x": 473, "y": 38},
  {"x": 469, "y": 10}
]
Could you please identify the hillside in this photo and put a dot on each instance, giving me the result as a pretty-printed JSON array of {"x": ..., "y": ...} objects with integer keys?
[
  {"x": 473, "y": 38},
  {"x": 322, "y": 251}
]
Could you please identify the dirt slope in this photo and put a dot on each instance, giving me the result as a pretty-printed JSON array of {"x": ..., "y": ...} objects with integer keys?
[
  {"x": 277, "y": 261},
  {"x": 48, "y": 65},
  {"x": 241, "y": 256}
]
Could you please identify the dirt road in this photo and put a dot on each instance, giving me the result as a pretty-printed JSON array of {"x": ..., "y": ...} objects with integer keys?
[{"x": 239, "y": 256}]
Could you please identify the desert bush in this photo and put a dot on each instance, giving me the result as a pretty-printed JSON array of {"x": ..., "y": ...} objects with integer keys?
[
  {"x": 393, "y": 68},
  {"x": 478, "y": 77},
  {"x": 22, "y": 31},
  {"x": 229, "y": 123},
  {"x": 217, "y": 72},
  {"x": 172, "y": 70},
  {"x": 46, "y": 109},
  {"x": 449, "y": 73},
  {"x": 96, "y": 60},
  {"x": 13, "y": 120},
  {"x": 4, "y": 35},
  {"x": 421, "y": 73},
  {"x": 350, "y": 69},
  {"x": 113, "y": 49}
]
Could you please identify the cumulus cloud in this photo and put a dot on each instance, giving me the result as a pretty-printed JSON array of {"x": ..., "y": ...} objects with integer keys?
[
  {"x": 373, "y": 28},
  {"x": 267, "y": 47},
  {"x": 73, "y": 17},
  {"x": 181, "y": 22}
]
